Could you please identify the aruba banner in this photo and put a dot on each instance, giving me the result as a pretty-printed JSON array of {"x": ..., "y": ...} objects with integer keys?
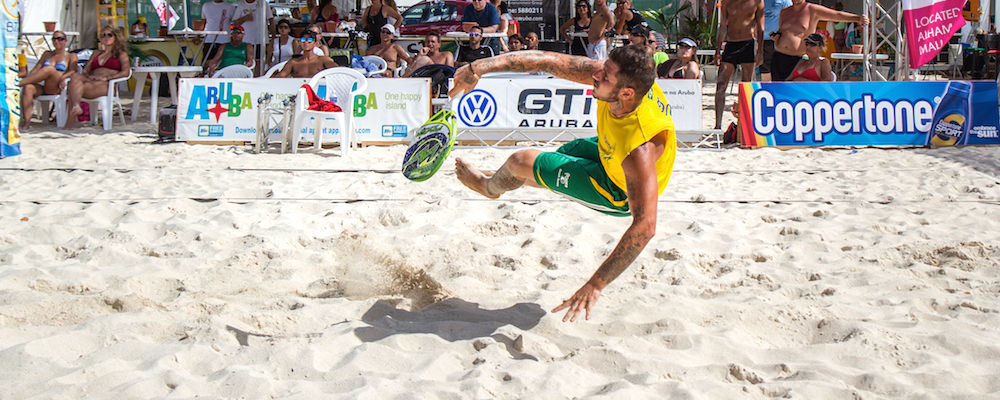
[
  {"x": 226, "y": 109},
  {"x": 10, "y": 107},
  {"x": 868, "y": 113},
  {"x": 929, "y": 26}
]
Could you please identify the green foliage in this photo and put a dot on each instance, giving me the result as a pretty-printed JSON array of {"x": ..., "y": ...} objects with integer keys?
[
  {"x": 703, "y": 31},
  {"x": 666, "y": 16}
]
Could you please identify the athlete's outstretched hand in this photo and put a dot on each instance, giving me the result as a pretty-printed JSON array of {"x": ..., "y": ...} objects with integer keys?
[
  {"x": 582, "y": 300},
  {"x": 465, "y": 80}
]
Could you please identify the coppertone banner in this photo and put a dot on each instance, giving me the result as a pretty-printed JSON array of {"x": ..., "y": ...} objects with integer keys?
[{"x": 929, "y": 26}]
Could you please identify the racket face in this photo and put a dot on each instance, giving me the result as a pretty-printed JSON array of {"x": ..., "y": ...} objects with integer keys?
[{"x": 427, "y": 152}]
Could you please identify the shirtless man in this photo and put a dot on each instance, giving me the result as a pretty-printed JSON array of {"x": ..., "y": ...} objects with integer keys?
[
  {"x": 741, "y": 22},
  {"x": 431, "y": 54},
  {"x": 308, "y": 64},
  {"x": 389, "y": 51},
  {"x": 796, "y": 23},
  {"x": 599, "y": 23}
]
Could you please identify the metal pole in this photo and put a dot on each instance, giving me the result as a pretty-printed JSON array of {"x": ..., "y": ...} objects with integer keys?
[
  {"x": 261, "y": 20},
  {"x": 866, "y": 35}
]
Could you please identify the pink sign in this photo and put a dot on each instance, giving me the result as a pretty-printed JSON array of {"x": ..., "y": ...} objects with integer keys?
[{"x": 929, "y": 26}]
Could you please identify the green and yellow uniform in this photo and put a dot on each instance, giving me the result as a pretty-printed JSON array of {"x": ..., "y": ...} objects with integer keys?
[{"x": 590, "y": 170}]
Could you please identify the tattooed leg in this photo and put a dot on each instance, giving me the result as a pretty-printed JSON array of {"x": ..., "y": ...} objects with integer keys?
[{"x": 514, "y": 173}]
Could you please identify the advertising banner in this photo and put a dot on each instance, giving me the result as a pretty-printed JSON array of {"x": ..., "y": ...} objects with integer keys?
[
  {"x": 10, "y": 108},
  {"x": 557, "y": 104},
  {"x": 226, "y": 109},
  {"x": 929, "y": 26},
  {"x": 868, "y": 113}
]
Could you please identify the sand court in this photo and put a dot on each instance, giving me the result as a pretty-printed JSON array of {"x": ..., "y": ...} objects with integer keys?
[{"x": 140, "y": 270}]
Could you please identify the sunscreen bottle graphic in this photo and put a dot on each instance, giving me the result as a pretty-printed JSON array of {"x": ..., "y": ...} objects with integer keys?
[{"x": 951, "y": 119}]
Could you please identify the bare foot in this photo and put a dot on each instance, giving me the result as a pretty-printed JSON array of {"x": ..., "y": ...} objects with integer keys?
[
  {"x": 71, "y": 118},
  {"x": 472, "y": 178}
]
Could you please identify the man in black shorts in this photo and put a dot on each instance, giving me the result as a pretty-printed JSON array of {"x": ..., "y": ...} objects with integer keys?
[{"x": 742, "y": 21}]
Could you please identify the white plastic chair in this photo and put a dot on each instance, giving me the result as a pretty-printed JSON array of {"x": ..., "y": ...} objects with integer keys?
[
  {"x": 400, "y": 70},
  {"x": 274, "y": 69},
  {"x": 59, "y": 103},
  {"x": 107, "y": 102},
  {"x": 343, "y": 83},
  {"x": 234, "y": 71},
  {"x": 379, "y": 62}
]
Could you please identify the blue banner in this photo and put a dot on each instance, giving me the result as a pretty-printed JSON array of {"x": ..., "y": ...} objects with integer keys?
[
  {"x": 10, "y": 107},
  {"x": 940, "y": 113}
]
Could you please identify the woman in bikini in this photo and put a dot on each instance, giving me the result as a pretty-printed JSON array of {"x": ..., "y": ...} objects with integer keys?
[
  {"x": 684, "y": 65},
  {"x": 814, "y": 68},
  {"x": 47, "y": 76},
  {"x": 377, "y": 15},
  {"x": 110, "y": 63}
]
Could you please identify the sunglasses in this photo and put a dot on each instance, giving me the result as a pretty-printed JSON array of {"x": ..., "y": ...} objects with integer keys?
[
  {"x": 812, "y": 44},
  {"x": 530, "y": 39},
  {"x": 475, "y": 34},
  {"x": 107, "y": 35},
  {"x": 61, "y": 38},
  {"x": 307, "y": 40}
]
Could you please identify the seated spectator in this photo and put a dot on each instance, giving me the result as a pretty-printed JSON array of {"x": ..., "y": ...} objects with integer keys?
[
  {"x": 233, "y": 53},
  {"x": 475, "y": 50},
  {"x": 139, "y": 29},
  {"x": 389, "y": 51},
  {"x": 658, "y": 44},
  {"x": 684, "y": 65},
  {"x": 283, "y": 47},
  {"x": 433, "y": 63},
  {"x": 47, "y": 76},
  {"x": 321, "y": 48},
  {"x": 308, "y": 64},
  {"x": 626, "y": 17},
  {"x": 639, "y": 36},
  {"x": 516, "y": 43},
  {"x": 531, "y": 41},
  {"x": 814, "y": 68},
  {"x": 111, "y": 62}
]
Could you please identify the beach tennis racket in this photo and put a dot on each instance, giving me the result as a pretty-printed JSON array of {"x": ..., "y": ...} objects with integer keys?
[{"x": 431, "y": 143}]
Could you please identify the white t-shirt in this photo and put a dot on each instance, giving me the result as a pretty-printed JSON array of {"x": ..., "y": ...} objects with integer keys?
[
  {"x": 218, "y": 17},
  {"x": 251, "y": 28}
]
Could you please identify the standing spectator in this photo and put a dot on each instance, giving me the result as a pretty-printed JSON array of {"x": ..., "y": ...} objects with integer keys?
[
  {"x": 475, "y": 50},
  {"x": 283, "y": 47},
  {"x": 376, "y": 16},
  {"x": 627, "y": 18},
  {"x": 684, "y": 65},
  {"x": 246, "y": 16},
  {"x": 580, "y": 24},
  {"x": 740, "y": 23},
  {"x": 111, "y": 62},
  {"x": 815, "y": 68},
  {"x": 599, "y": 24},
  {"x": 218, "y": 15},
  {"x": 390, "y": 52},
  {"x": 139, "y": 29},
  {"x": 47, "y": 76},
  {"x": 486, "y": 17},
  {"x": 516, "y": 43},
  {"x": 531, "y": 41},
  {"x": 772, "y": 10},
  {"x": 232, "y": 53},
  {"x": 839, "y": 30}
]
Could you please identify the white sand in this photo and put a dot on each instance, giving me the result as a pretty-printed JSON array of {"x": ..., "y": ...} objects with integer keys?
[{"x": 132, "y": 270}]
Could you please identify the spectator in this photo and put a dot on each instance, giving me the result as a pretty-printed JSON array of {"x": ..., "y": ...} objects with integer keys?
[
  {"x": 233, "y": 53},
  {"x": 639, "y": 36},
  {"x": 433, "y": 63},
  {"x": 856, "y": 36},
  {"x": 516, "y": 43},
  {"x": 814, "y": 68},
  {"x": 304, "y": 13},
  {"x": 283, "y": 47},
  {"x": 111, "y": 62},
  {"x": 627, "y": 18},
  {"x": 475, "y": 50},
  {"x": 218, "y": 15},
  {"x": 389, "y": 51},
  {"x": 659, "y": 45},
  {"x": 139, "y": 29},
  {"x": 246, "y": 16},
  {"x": 309, "y": 63},
  {"x": 326, "y": 12},
  {"x": 772, "y": 14},
  {"x": 47, "y": 76},
  {"x": 601, "y": 23},
  {"x": 484, "y": 15},
  {"x": 321, "y": 48},
  {"x": 531, "y": 41},
  {"x": 376, "y": 16},
  {"x": 505, "y": 23},
  {"x": 684, "y": 65},
  {"x": 839, "y": 30},
  {"x": 580, "y": 24}
]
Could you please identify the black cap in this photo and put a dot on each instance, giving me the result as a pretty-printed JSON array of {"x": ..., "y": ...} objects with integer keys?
[{"x": 816, "y": 39}]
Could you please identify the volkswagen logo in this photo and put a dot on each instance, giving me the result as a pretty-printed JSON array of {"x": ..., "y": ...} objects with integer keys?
[{"x": 477, "y": 108}]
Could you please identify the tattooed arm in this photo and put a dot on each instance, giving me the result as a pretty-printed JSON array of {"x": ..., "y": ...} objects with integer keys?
[
  {"x": 571, "y": 68},
  {"x": 640, "y": 177}
]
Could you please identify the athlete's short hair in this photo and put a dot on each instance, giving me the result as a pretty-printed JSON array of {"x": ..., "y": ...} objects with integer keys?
[{"x": 635, "y": 68}]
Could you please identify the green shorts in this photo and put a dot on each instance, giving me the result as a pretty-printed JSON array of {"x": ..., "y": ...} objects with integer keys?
[{"x": 575, "y": 170}]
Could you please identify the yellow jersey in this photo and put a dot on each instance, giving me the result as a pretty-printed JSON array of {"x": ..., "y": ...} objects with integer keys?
[{"x": 617, "y": 137}]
